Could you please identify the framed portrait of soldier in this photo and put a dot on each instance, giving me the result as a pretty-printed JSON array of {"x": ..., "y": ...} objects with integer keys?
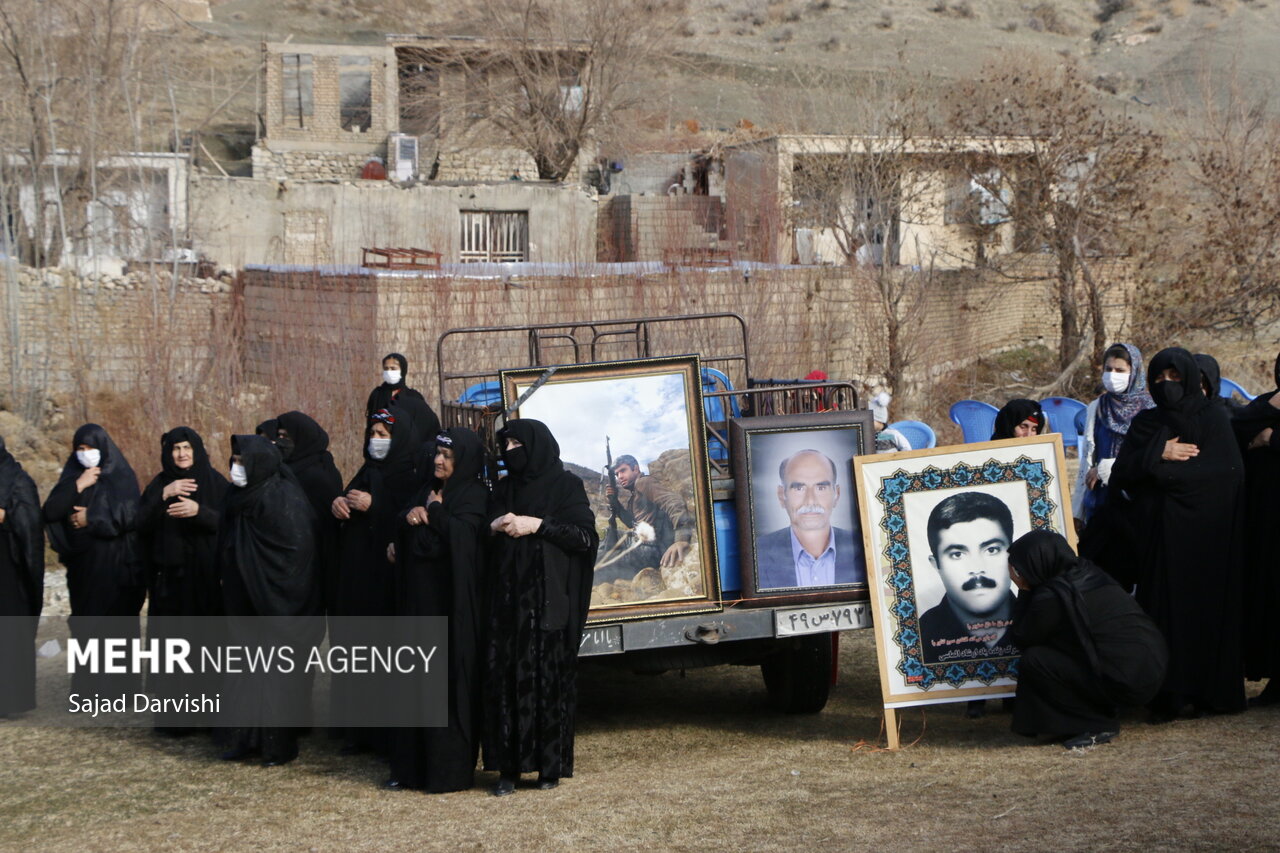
[
  {"x": 799, "y": 531},
  {"x": 937, "y": 525},
  {"x": 633, "y": 431}
]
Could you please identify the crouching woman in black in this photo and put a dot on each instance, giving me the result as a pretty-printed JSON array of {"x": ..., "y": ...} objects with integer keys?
[
  {"x": 544, "y": 549},
  {"x": 1087, "y": 647}
]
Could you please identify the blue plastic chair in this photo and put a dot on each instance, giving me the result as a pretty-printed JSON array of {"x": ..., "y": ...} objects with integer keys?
[
  {"x": 1061, "y": 412},
  {"x": 716, "y": 380},
  {"x": 1226, "y": 388},
  {"x": 482, "y": 394},
  {"x": 977, "y": 420},
  {"x": 920, "y": 434},
  {"x": 1079, "y": 421}
]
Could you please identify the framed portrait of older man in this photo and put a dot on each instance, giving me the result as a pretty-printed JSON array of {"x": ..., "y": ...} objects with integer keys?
[
  {"x": 799, "y": 532},
  {"x": 937, "y": 525}
]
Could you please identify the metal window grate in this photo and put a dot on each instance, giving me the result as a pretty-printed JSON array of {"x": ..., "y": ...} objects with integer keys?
[{"x": 494, "y": 236}]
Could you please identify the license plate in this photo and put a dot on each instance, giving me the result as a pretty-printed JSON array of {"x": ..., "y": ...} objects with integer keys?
[
  {"x": 601, "y": 640},
  {"x": 826, "y": 617}
]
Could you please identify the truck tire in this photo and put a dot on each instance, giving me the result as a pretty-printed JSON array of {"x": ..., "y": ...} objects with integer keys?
[{"x": 798, "y": 675}]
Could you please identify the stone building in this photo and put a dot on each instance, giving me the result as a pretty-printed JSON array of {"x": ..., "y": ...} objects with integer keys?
[{"x": 937, "y": 203}]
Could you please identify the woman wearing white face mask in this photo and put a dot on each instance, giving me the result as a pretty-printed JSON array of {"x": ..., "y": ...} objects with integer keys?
[
  {"x": 91, "y": 516},
  {"x": 364, "y": 580},
  {"x": 394, "y": 391},
  {"x": 1106, "y": 423}
]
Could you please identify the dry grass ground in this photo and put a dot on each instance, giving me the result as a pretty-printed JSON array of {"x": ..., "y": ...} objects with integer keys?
[{"x": 671, "y": 762}]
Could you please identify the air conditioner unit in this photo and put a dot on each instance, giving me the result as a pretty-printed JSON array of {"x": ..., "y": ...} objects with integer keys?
[{"x": 402, "y": 154}]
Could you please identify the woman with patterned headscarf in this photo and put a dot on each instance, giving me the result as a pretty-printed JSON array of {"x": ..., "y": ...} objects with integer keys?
[
  {"x": 1106, "y": 424},
  {"x": 1182, "y": 468},
  {"x": 544, "y": 547},
  {"x": 439, "y": 569}
]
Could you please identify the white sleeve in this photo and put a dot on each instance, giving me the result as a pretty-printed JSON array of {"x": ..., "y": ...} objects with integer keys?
[{"x": 1104, "y": 470}]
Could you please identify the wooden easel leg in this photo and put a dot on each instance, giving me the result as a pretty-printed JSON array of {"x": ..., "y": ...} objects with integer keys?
[{"x": 891, "y": 727}]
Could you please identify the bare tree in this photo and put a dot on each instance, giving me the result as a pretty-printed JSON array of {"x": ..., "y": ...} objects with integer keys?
[
  {"x": 1081, "y": 189},
  {"x": 548, "y": 77},
  {"x": 1218, "y": 264}
]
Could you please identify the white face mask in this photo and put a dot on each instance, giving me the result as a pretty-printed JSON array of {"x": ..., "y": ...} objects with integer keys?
[
  {"x": 89, "y": 458},
  {"x": 391, "y": 377},
  {"x": 379, "y": 447},
  {"x": 1116, "y": 383},
  {"x": 238, "y": 476}
]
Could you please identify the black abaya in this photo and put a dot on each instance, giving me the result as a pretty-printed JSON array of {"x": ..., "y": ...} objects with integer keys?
[
  {"x": 1188, "y": 516},
  {"x": 438, "y": 573},
  {"x": 104, "y": 569},
  {"x": 364, "y": 581},
  {"x": 309, "y": 460},
  {"x": 1261, "y": 636},
  {"x": 1087, "y": 647},
  {"x": 21, "y": 585},
  {"x": 266, "y": 544},
  {"x": 180, "y": 555},
  {"x": 541, "y": 587},
  {"x": 425, "y": 421}
]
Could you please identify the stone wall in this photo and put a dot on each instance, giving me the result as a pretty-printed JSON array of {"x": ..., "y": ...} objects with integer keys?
[
  {"x": 67, "y": 334},
  {"x": 798, "y": 319},
  {"x": 301, "y": 165}
]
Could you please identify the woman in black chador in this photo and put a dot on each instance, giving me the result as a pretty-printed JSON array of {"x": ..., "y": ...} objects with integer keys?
[
  {"x": 1257, "y": 427},
  {"x": 266, "y": 545},
  {"x": 394, "y": 391},
  {"x": 21, "y": 585},
  {"x": 1087, "y": 647},
  {"x": 304, "y": 446},
  {"x": 1181, "y": 466},
  {"x": 438, "y": 573},
  {"x": 91, "y": 516},
  {"x": 544, "y": 549},
  {"x": 178, "y": 520},
  {"x": 367, "y": 514},
  {"x": 1019, "y": 418},
  {"x": 178, "y": 523}
]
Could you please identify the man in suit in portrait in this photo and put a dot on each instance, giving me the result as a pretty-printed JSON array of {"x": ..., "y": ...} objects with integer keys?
[{"x": 810, "y": 552}]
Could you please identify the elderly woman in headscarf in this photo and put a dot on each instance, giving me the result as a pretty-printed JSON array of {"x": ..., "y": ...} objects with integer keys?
[
  {"x": 1087, "y": 647},
  {"x": 364, "y": 583},
  {"x": 1106, "y": 423},
  {"x": 91, "y": 515},
  {"x": 1020, "y": 418},
  {"x": 1182, "y": 468},
  {"x": 266, "y": 550},
  {"x": 21, "y": 584},
  {"x": 178, "y": 524},
  {"x": 544, "y": 549},
  {"x": 1257, "y": 427},
  {"x": 439, "y": 564}
]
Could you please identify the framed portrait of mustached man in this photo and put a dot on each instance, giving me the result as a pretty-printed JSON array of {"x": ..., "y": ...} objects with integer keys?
[{"x": 937, "y": 526}]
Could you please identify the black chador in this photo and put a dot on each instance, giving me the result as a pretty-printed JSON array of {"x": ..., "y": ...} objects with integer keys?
[
  {"x": 438, "y": 573},
  {"x": 305, "y": 450},
  {"x": 1262, "y": 506},
  {"x": 178, "y": 520},
  {"x": 425, "y": 421},
  {"x": 1188, "y": 515},
  {"x": 91, "y": 515},
  {"x": 364, "y": 585},
  {"x": 21, "y": 585},
  {"x": 178, "y": 524},
  {"x": 1087, "y": 647},
  {"x": 266, "y": 550},
  {"x": 541, "y": 587}
]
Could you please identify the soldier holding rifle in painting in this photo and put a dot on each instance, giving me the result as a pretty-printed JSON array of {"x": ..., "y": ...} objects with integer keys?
[{"x": 660, "y": 524}]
